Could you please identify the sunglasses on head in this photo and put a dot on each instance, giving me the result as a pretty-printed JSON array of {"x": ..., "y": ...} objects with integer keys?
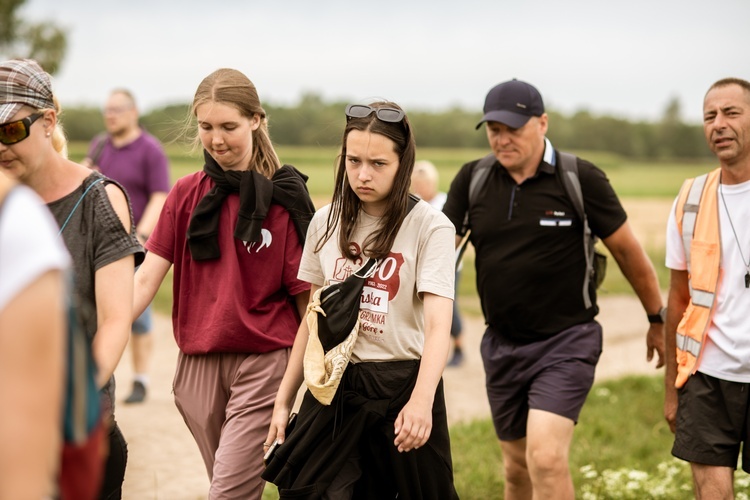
[
  {"x": 391, "y": 115},
  {"x": 14, "y": 132}
]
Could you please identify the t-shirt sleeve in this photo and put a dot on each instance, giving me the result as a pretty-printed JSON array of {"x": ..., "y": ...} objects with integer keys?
[
  {"x": 162, "y": 241},
  {"x": 436, "y": 260},
  {"x": 311, "y": 268},
  {"x": 603, "y": 208},
  {"x": 675, "y": 257},
  {"x": 112, "y": 241},
  {"x": 29, "y": 243},
  {"x": 292, "y": 257}
]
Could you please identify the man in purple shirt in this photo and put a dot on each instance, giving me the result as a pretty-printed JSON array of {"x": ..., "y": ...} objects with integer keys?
[{"x": 135, "y": 159}]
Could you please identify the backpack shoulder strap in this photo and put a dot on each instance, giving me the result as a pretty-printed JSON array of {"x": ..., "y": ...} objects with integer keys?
[
  {"x": 411, "y": 202},
  {"x": 569, "y": 174},
  {"x": 479, "y": 175},
  {"x": 568, "y": 166}
]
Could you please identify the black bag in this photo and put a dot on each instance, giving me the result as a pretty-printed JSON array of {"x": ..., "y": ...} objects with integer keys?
[{"x": 340, "y": 302}]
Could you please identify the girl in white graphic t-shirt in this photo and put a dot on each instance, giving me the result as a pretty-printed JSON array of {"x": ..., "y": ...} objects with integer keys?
[{"x": 385, "y": 432}]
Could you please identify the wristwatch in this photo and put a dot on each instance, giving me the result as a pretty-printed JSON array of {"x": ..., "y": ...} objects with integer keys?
[{"x": 660, "y": 317}]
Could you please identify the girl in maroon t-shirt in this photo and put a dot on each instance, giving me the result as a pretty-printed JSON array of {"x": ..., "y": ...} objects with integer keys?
[{"x": 234, "y": 234}]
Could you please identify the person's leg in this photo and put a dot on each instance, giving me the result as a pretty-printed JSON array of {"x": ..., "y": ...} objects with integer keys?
[
  {"x": 567, "y": 364},
  {"x": 517, "y": 478},
  {"x": 114, "y": 467},
  {"x": 548, "y": 439},
  {"x": 141, "y": 348},
  {"x": 711, "y": 423},
  {"x": 507, "y": 377},
  {"x": 254, "y": 381},
  {"x": 201, "y": 398},
  {"x": 548, "y": 381},
  {"x": 456, "y": 328},
  {"x": 712, "y": 482}
]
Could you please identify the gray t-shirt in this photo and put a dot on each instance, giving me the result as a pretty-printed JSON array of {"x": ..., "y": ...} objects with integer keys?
[
  {"x": 391, "y": 309},
  {"x": 95, "y": 237}
]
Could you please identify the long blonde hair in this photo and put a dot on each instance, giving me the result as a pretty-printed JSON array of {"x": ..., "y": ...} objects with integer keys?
[{"x": 232, "y": 87}]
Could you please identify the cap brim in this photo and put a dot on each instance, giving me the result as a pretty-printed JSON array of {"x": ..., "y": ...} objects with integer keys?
[
  {"x": 9, "y": 109},
  {"x": 509, "y": 118}
]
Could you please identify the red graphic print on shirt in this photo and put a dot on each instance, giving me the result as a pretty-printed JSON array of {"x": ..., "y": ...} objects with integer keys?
[{"x": 378, "y": 291}]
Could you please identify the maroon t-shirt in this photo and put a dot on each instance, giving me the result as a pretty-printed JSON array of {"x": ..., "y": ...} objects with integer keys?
[{"x": 242, "y": 301}]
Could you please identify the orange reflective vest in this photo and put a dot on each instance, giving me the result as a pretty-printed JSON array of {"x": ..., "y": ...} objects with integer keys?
[{"x": 697, "y": 216}]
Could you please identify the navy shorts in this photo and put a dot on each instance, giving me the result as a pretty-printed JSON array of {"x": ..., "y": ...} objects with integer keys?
[
  {"x": 554, "y": 375},
  {"x": 712, "y": 422}
]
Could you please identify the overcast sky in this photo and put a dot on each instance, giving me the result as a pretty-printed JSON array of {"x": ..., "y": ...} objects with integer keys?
[{"x": 624, "y": 58}]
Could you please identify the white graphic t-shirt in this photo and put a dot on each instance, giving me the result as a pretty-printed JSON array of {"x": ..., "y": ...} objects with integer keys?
[{"x": 391, "y": 309}]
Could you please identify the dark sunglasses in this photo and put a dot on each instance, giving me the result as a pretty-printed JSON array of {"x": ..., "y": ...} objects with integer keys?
[
  {"x": 390, "y": 115},
  {"x": 14, "y": 132}
]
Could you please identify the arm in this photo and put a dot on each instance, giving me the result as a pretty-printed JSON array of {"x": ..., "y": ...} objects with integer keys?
[
  {"x": 148, "y": 279},
  {"x": 641, "y": 275},
  {"x": 293, "y": 376},
  {"x": 414, "y": 422},
  {"x": 150, "y": 215},
  {"x": 114, "y": 306},
  {"x": 677, "y": 302},
  {"x": 32, "y": 352},
  {"x": 113, "y": 289}
]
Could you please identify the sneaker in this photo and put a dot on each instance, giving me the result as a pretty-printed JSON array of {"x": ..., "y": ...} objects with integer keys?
[
  {"x": 138, "y": 394},
  {"x": 456, "y": 359}
]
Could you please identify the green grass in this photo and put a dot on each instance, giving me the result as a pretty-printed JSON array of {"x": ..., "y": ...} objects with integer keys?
[
  {"x": 630, "y": 178},
  {"x": 620, "y": 450}
]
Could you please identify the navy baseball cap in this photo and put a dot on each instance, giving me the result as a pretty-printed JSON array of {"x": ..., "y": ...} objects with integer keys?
[{"x": 512, "y": 103}]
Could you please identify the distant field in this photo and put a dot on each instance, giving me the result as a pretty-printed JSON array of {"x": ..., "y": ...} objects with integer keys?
[{"x": 630, "y": 178}]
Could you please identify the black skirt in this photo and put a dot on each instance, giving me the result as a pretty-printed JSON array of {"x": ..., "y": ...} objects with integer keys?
[{"x": 360, "y": 422}]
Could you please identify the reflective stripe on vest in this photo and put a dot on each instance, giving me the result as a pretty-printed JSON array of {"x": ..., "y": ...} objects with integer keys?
[{"x": 697, "y": 217}]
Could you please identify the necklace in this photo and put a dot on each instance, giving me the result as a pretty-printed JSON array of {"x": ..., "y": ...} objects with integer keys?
[{"x": 736, "y": 239}]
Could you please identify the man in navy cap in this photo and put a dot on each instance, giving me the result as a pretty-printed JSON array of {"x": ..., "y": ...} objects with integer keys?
[{"x": 542, "y": 342}]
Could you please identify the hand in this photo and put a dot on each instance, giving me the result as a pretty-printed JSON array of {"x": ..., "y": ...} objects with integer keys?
[
  {"x": 277, "y": 429},
  {"x": 413, "y": 426},
  {"x": 655, "y": 342}
]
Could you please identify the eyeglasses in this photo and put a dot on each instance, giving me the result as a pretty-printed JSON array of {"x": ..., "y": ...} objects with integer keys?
[
  {"x": 116, "y": 110},
  {"x": 15, "y": 132},
  {"x": 390, "y": 115}
]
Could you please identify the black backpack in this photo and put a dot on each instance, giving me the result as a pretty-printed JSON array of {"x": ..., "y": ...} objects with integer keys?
[{"x": 596, "y": 262}]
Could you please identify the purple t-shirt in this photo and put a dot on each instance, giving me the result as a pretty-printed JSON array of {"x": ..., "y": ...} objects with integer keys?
[{"x": 141, "y": 167}]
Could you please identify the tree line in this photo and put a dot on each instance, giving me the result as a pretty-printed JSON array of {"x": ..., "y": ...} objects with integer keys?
[{"x": 315, "y": 122}]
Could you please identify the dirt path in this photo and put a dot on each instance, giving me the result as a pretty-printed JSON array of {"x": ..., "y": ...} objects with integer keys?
[{"x": 164, "y": 462}]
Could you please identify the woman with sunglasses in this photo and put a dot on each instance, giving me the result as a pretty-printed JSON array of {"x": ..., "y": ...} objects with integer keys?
[
  {"x": 385, "y": 433},
  {"x": 95, "y": 224},
  {"x": 233, "y": 234}
]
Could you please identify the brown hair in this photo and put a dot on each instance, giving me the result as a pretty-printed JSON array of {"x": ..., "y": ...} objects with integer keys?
[
  {"x": 345, "y": 205},
  {"x": 724, "y": 82},
  {"x": 233, "y": 88}
]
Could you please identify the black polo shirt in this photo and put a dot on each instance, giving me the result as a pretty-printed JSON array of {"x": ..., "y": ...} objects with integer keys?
[{"x": 528, "y": 239}]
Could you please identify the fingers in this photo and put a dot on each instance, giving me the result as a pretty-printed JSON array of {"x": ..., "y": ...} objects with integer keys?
[{"x": 411, "y": 433}]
